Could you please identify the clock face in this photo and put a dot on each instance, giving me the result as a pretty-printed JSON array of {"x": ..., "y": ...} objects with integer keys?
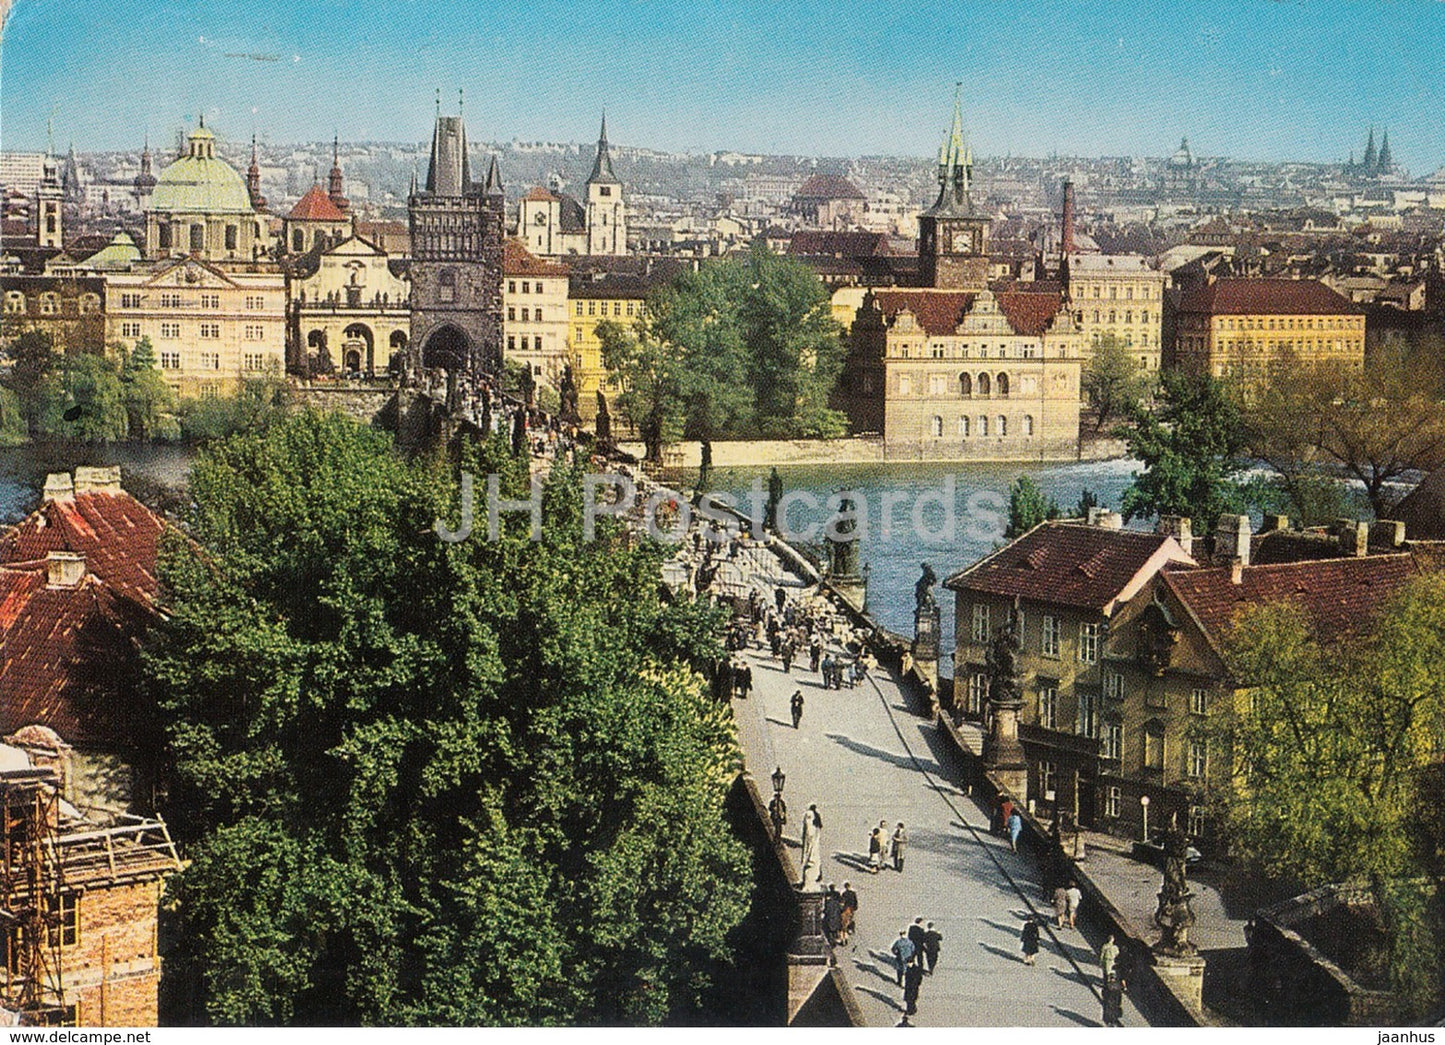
[
  {"x": 962, "y": 243},
  {"x": 541, "y": 218}
]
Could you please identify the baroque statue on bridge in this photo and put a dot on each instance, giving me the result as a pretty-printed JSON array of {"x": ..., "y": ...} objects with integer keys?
[
  {"x": 1175, "y": 914},
  {"x": 1005, "y": 681},
  {"x": 923, "y": 590}
]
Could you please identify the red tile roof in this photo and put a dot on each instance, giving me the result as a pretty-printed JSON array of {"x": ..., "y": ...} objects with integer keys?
[
  {"x": 828, "y": 187},
  {"x": 1064, "y": 564},
  {"x": 1338, "y": 595},
  {"x": 940, "y": 312},
  {"x": 517, "y": 260},
  {"x": 315, "y": 206},
  {"x": 65, "y": 652},
  {"x": 1267, "y": 297},
  {"x": 116, "y": 533}
]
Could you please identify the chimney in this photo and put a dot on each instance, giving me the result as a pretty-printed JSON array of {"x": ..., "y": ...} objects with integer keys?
[
  {"x": 1275, "y": 523},
  {"x": 1231, "y": 540},
  {"x": 1388, "y": 533},
  {"x": 64, "y": 569},
  {"x": 1354, "y": 537},
  {"x": 1178, "y": 527},
  {"x": 102, "y": 480},
  {"x": 1067, "y": 245},
  {"x": 1105, "y": 519},
  {"x": 58, "y": 487}
]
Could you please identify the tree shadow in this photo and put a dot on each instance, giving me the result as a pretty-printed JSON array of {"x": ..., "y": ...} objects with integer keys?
[
  {"x": 1082, "y": 1021},
  {"x": 892, "y": 1003},
  {"x": 900, "y": 761}
]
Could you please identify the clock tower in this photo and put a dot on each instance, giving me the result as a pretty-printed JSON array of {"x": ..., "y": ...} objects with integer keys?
[{"x": 952, "y": 236}]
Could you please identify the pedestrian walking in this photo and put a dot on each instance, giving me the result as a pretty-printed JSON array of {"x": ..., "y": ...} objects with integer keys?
[
  {"x": 1108, "y": 956},
  {"x": 812, "y": 847},
  {"x": 932, "y": 943},
  {"x": 778, "y": 814},
  {"x": 912, "y": 980},
  {"x": 850, "y": 909},
  {"x": 875, "y": 850},
  {"x": 788, "y": 657},
  {"x": 815, "y": 653},
  {"x": 902, "y": 953},
  {"x": 832, "y": 914},
  {"x": 1030, "y": 940},
  {"x": 1112, "y": 998},
  {"x": 1061, "y": 905},
  {"x": 1075, "y": 900},
  {"x": 1015, "y": 828},
  {"x": 825, "y": 668},
  {"x": 899, "y": 847},
  {"x": 917, "y": 935},
  {"x": 797, "y": 706},
  {"x": 745, "y": 679}
]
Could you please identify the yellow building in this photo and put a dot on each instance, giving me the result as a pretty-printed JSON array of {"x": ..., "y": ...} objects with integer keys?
[
  {"x": 348, "y": 303},
  {"x": 1119, "y": 295},
  {"x": 211, "y": 329},
  {"x": 534, "y": 313},
  {"x": 1245, "y": 328},
  {"x": 201, "y": 207},
  {"x": 590, "y": 300}
]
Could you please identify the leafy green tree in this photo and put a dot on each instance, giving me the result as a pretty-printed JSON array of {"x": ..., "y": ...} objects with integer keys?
[
  {"x": 1088, "y": 500},
  {"x": 650, "y": 373},
  {"x": 35, "y": 363},
  {"x": 1027, "y": 507},
  {"x": 1114, "y": 381},
  {"x": 149, "y": 402},
  {"x": 258, "y": 405},
  {"x": 1190, "y": 446},
  {"x": 93, "y": 410},
  {"x": 428, "y": 782},
  {"x": 12, "y": 419}
]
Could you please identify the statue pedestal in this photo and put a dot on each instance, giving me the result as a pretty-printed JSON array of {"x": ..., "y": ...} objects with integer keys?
[
  {"x": 925, "y": 647},
  {"x": 1184, "y": 976},
  {"x": 1003, "y": 752}
]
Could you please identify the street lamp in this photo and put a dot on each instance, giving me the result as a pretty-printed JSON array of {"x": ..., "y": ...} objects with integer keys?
[
  {"x": 779, "y": 779},
  {"x": 1144, "y": 802},
  {"x": 867, "y": 569}
]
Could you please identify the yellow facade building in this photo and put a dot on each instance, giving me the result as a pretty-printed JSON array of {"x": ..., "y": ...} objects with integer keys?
[
  {"x": 1118, "y": 295},
  {"x": 211, "y": 329},
  {"x": 592, "y": 299},
  {"x": 1244, "y": 329}
]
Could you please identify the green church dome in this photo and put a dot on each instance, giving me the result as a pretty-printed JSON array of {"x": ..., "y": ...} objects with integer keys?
[{"x": 199, "y": 183}]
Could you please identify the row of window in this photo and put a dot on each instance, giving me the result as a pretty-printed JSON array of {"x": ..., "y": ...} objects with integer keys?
[
  {"x": 599, "y": 308},
  {"x": 1291, "y": 323},
  {"x": 953, "y": 350},
  {"x": 172, "y": 299},
  {"x": 513, "y": 346},
  {"x": 1095, "y": 290},
  {"x": 969, "y": 385},
  {"x": 527, "y": 286},
  {"x": 50, "y": 303},
  {"x": 197, "y": 237},
  {"x": 1113, "y": 317},
  {"x": 966, "y": 428},
  {"x": 528, "y": 314}
]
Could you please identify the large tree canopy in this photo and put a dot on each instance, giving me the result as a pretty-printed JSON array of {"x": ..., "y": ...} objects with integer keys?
[
  {"x": 431, "y": 782},
  {"x": 742, "y": 348}
]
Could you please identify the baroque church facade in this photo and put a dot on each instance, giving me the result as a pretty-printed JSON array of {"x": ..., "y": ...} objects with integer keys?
[{"x": 553, "y": 224}]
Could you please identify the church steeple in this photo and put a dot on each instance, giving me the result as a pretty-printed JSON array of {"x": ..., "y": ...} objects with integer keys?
[
  {"x": 1369, "y": 160},
  {"x": 1385, "y": 161},
  {"x": 145, "y": 181},
  {"x": 334, "y": 183},
  {"x": 952, "y": 235},
  {"x": 253, "y": 179},
  {"x": 602, "y": 167}
]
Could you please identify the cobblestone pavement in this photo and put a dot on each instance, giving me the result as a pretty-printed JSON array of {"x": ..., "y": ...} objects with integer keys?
[{"x": 863, "y": 756}]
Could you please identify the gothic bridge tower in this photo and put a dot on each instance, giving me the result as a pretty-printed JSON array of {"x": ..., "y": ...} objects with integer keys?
[
  {"x": 952, "y": 235},
  {"x": 456, "y": 260}
]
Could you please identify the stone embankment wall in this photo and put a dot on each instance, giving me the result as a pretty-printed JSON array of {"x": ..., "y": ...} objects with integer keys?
[
  {"x": 856, "y": 450},
  {"x": 363, "y": 400}
]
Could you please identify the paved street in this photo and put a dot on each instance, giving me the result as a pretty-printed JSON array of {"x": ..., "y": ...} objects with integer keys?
[{"x": 863, "y": 756}]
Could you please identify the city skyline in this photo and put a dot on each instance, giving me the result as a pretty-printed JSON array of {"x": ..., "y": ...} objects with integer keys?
[{"x": 1131, "y": 78}]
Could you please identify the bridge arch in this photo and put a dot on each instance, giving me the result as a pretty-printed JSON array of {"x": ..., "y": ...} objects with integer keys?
[{"x": 446, "y": 348}]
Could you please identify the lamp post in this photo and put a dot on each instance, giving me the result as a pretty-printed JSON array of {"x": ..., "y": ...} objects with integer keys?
[
  {"x": 867, "y": 569},
  {"x": 1144, "y": 803},
  {"x": 779, "y": 779}
]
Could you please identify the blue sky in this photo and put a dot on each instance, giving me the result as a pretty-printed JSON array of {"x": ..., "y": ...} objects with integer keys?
[{"x": 1267, "y": 79}]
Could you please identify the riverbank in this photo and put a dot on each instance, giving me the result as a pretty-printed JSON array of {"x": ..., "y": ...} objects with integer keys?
[{"x": 742, "y": 453}]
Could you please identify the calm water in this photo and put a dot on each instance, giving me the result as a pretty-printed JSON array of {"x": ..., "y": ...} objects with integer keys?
[
  {"x": 153, "y": 473},
  {"x": 980, "y": 502}
]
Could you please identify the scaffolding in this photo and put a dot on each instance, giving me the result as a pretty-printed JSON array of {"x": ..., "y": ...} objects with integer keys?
[{"x": 31, "y": 880}]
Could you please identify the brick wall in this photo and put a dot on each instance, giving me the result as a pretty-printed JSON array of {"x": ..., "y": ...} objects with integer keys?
[{"x": 113, "y": 971}]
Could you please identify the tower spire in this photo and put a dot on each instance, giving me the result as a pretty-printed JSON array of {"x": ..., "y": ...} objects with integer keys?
[
  {"x": 334, "y": 182},
  {"x": 602, "y": 168}
]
